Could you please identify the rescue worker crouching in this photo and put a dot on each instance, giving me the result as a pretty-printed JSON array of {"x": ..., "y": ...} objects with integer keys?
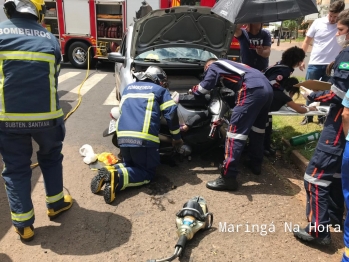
[
  {"x": 138, "y": 126},
  {"x": 30, "y": 64}
]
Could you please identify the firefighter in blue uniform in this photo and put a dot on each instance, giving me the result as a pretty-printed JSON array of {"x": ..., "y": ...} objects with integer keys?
[
  {"x": 30, "y": 59},
  {"x": 322, "y": 178},
  {"x": 253, "y": 98},
  {"x": 141, "y": 107}
]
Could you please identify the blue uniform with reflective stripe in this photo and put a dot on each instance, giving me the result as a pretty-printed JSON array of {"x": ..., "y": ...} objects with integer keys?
[
  {"x": 345, "y": 179},
  {"x": 250, "y": 114},
  {"x": 29, "y": 109},
  {"x": 322, "y": 179},
  {"x": 141, "y": 107}
]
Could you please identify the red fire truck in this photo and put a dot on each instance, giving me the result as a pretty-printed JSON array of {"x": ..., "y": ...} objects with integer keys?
[{"x": 99, "y": 24}]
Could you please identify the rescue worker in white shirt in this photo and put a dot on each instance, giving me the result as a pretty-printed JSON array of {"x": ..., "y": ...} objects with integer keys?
[
  {"x": 141, "y": 107},
  {"x": 30, "y": 59}
]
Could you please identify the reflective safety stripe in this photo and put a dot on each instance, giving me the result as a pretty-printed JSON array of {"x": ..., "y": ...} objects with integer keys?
[
  {"x": 30, "y": 56},
  {"x": 138, "y": 135},
  {"x": 267, "y": 124},
  {"x": 203, "y": 90},
  {"x": 337, "y": 175},
  {"x": 125, "y": 176},
  {"x": 272, "y": 82},
  {"x": 22, "y": 217},
  {"x": 26, "y": 55},
  {"x": 139, "y": 183},
  {"x": 167, "y": 104},
  {"x": 135, "y": 95},
  {"x": 237, "y": 136},
  {"x": 30, "y": 116},
  {"x": 175, "y": 132},
  {"x": 231, "y": 67},
  {"x": 315, "y": 181},
  {"x": 53, "y": 199},
  {"x": 2, "y": 80},
  {"x": 121, "y": 165},
  {"x": 337, "y": 91},
  {"x": 258, "y": 130},
  {"x": 148, "y": 112}
]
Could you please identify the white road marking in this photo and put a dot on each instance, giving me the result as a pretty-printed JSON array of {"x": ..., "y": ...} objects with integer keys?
[
  {"x": 89, "y": 83},
  {"x": 111, "y": 99},
  {"x": 66, "y": 76}
]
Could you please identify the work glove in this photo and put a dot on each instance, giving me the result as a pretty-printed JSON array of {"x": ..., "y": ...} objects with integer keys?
[
  {"x": 177, "y": 144},
  {"x": 195, "y": 90},
  {"x": 305, "y": 92}
]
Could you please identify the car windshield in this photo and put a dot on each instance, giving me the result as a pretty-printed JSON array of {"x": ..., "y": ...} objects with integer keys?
[{"x": 176, "y": 54}]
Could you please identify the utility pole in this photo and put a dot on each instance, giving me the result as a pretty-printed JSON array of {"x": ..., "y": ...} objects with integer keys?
[{"x": 279, "y": 38}]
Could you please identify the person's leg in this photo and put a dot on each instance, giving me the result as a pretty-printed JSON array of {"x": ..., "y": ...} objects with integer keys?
[
  {"x": 319, "y": 177},
  {"x": 138, "y": 169},
  {"x": 249, "y": 103},
  {"x": 50, "y": 161},
  {"x": 256, "y": 137},
  {"x": 16, "y": 151},
  {"x": 345, "y": 186}
]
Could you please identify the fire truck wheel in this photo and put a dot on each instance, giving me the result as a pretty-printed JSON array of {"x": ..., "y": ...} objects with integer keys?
[{"x": 78, "y": 55}]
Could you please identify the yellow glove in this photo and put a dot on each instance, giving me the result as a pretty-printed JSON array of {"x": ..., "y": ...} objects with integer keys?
[{"x": 107, "y": 158}]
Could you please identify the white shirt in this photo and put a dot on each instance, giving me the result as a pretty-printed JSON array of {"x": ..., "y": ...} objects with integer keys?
[{"x": 325, "y": 46}]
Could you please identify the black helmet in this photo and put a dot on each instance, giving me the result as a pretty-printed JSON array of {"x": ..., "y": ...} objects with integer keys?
[{"x": 155, "y": 74}]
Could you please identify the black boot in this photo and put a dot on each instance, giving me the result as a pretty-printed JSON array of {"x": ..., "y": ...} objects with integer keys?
[
  {"x": 269, "y": 151},
  {"x": 324, "y": 239},
  {"x": 223, "y": 184},
  {"x": 256, "y": 169}
]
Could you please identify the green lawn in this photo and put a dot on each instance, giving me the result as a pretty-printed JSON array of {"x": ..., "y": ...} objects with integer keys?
[{"x": 289, "y": 126}]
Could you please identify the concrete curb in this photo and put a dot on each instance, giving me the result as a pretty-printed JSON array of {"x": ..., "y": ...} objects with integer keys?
[{"x": 300, "y": 161}]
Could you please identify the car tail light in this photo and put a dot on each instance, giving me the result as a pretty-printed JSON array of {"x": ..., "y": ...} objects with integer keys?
[{"x": 235, "y": 44}]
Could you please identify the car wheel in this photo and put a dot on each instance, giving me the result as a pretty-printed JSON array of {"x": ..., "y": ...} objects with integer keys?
[{"x": 77, "y": 55}]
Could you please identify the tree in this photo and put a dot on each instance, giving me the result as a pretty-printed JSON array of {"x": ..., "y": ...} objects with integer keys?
[{"x": 291, "y": 25}]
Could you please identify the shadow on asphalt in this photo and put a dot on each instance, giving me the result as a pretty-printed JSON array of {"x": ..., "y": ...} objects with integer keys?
[
  {"x": 5, "y": 258},
  {"x": 337, "y": 243},
  {"x": 65, "y": 104},
  {"x": 89, "y": 232},
  {"x": 193, "y": 243}
]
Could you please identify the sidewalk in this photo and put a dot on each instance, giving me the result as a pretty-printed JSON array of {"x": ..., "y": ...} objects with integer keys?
[{"x": 284, "y": 45}]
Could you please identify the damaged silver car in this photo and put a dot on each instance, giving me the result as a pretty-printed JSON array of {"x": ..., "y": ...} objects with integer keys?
[{"x": 179, "y": 40}]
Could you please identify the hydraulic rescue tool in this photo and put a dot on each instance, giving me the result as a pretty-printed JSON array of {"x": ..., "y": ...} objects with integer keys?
[{"x": 193, "y": 217}]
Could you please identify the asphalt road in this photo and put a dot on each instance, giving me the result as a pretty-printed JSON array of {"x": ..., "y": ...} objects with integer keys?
[{"x": 140, "y": 224}]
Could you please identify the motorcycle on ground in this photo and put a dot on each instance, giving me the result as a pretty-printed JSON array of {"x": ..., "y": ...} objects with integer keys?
[{"x": 208, "y": 131}]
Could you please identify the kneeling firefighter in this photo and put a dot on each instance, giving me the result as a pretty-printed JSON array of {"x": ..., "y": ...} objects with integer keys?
[
  {"x": 30, "y": 64},
  {"x": 138, "y": 127}
]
